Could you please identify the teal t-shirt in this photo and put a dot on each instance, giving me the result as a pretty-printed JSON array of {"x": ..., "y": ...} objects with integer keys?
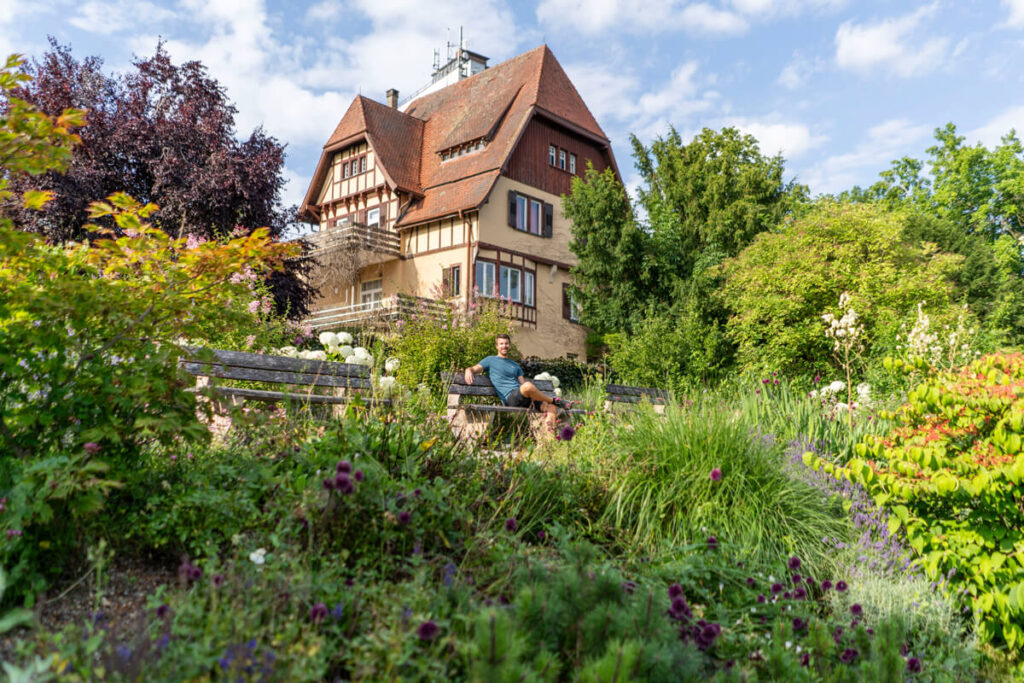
[{"x": 504, "y": 374}]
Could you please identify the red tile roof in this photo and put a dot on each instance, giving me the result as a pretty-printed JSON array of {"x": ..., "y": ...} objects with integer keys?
[{"x": 494, "y": 105}]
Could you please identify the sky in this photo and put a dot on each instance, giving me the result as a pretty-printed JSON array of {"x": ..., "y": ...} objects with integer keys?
[{"x": 839, "y": 87}]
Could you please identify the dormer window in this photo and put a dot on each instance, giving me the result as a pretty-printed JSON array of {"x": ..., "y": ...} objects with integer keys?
[{"x": 463, "y": 150}]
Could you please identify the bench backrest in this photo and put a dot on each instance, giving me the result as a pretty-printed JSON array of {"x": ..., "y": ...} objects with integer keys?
[
  {"x": 259, "y": 367},
  {"x": 623, "y": 393},
  {"x": 456, "y": 383}
]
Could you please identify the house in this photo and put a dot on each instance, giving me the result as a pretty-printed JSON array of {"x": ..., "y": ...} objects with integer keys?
[{"x": 459, "y": 191}]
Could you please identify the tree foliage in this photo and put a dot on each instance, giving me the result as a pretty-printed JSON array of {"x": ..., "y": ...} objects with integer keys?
[
  {"x": 778, "y": 287},
  {"x": 164, "y": 134}
]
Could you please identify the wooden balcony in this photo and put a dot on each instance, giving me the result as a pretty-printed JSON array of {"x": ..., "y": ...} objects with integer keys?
[
  {"x": 376, "y": 244},
  {"x": 385, "y": 311}
]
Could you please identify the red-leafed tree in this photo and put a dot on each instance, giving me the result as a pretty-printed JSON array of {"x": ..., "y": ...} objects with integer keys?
[{"x": 163, "y": 133}]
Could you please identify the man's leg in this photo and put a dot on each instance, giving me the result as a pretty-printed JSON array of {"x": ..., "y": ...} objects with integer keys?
[{"x": 547, "y": 404}]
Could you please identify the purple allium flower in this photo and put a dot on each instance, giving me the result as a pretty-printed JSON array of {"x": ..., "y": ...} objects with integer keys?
[
  {"x": 798, "y": 624},
  {"x": 856, "y": 610},
  {"x": 712, "y": 542},
  {"x": 787, "y": 595},
  {"x": 799, "y": 593},
  {"x": 318, "y": 612},
  {"x": 511, "y": 524},
  {"x": 92, "y": 448},
  {"x": 826, "y": 585},
  {"x": 344, "y": 467},
  {"x": 750, "y": 581},
  {"x": 761, "y": 599},
  {"x": 542, "y": 535},
  {"x": 841, "y": 586},
  {"x": 329, "y": 483},
  {"x": 358, "y": 475},
  {"x": 404, "y": 517},
  {"x": 218, "y": 580},
  {"x": 674, "y": 591},
  {"x": 794, "y": 563},
  {"x": 344, "y": 484},
  {"x": 195, "y": 573},
  {"x": 797, "y": 578},
  {"x": 680, "y": 610},
  {"x": 163, "y": 610},
  {"x": 566, "y": 433},
  {"x": 914, "y": 665},
  {"x": 777, "y": 588},
  {"x": 629, "y": 587},
  {"x": 427, "y": 631},
  {"x": 417, "y": 493},
  {"x": 716, "y": 474},
  {"x": 849, "y": 655}
]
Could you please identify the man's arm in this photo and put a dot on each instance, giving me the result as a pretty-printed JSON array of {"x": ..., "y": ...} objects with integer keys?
[
  {"x": 470, "y": 370},
  {"x": 521, "y": 379}
]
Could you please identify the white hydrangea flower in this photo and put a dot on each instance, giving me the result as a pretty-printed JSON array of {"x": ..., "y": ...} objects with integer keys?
[
  {"x": 391, "y": 364},
  {"x": 258, "y": 556},
  {"x": 542, "y": 376},
  {"x": 345, "y": 351},
  {"x": 554, "y": 382},
  {"x": 836, "y": 386},
  {"x": 344, "y": 337},
  {"x": 360, "y": 352},
  {"x": 863, "y": 390},
  {"x": 388, "y": 385},
  {"x": 289, "y": 351},
  {"x": 328, "y": 339},
  {"x": 558, "y": 392},
  {"x": 840, "y": 407}
]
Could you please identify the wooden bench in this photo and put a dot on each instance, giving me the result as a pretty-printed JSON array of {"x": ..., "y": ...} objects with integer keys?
[
  {"x": 623, "y": 393},
  {"x": 342, "y": 380},
  {"x": 471, "y": 420}
]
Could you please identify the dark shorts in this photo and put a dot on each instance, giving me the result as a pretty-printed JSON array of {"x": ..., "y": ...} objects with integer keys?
[{"x": 517, "y": 400}]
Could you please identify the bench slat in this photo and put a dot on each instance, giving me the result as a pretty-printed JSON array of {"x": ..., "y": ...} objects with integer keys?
[
  {"x": 260, "y": 361},
  {"x": 273, "y": 376},
  {"x": 626, "y": 390},
  {"x": 457, "y": 381},
  {"x": 261, "y": 395},
  {"x": 614, "y": 398}
]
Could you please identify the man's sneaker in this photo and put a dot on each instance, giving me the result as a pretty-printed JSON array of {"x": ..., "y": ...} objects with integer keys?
[{"x": 561, "y": 403}]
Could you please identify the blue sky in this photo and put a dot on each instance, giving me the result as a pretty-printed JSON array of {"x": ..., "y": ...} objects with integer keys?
[{"x": 840, "y": 87}]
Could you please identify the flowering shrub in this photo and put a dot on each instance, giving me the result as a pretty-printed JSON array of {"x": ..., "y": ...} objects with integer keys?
[{"x": 949, "y": 471}]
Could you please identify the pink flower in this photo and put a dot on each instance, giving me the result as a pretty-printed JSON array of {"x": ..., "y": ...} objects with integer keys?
[
  {"x": 716, "y": 474},
  {"x": 92, "y": 448},
  {"x": 250, "y": 340},
  {"x": 266, "y": 304},
  {"x": 254, "y": 306}
]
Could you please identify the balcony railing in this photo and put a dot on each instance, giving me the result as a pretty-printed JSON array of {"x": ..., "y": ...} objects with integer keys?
[
  {"x": 386, "y": 310},
  {"x": 368, "y": 238}
]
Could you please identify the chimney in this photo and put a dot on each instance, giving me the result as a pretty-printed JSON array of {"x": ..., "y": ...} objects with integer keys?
[{"x": 392, "y": 97}]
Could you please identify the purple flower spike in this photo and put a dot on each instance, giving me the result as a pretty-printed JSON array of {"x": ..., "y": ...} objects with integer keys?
[
  {"x": 761, "y": 599},
  {"x": 427, "y": 631},
  {"x": 318, "y": 612},
  {"x": 841, "y": 586},
  {"x": 218, "y": 580},
  {"x": 856, "y": 610},
  {"x": 542, "y": 535},
  {"x": 914, "y": 665},
  {"x": 849, "y": 655},
  {"x": 799, "y": 625},
  {"x": 674, "y": 591},
  {"x": 329, "y": 483},
  {"x": 794, "y": 563},
  {"x": 716, "y": 474},
  {"x": 92, "y": 448},
  {"x": 344, "y": 467},
  {"x": 511, "y": 524}
]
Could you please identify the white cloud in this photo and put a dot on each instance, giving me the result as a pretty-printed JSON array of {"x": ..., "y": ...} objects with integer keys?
[
  {"x": 594, "y": 17},
  {"x": 798, "y": 71},
  {"x": 105, "y": 17},
  {"x": 991, "y": 133},
  {"x": 1016, "y": 16},
  {"x": 777, "y": 137},
  {"x": 882, "y": 144},
  {"x": 768, "y": 8},
  {"x": 890, "y": 44}
]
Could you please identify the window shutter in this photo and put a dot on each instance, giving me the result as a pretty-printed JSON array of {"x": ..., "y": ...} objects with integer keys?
[
  {"x": 511, "y": 209},
  {"x": 549, "y": 220},
  {"x": 566, "y": 306},
  {"x": 446, "y": 281}
]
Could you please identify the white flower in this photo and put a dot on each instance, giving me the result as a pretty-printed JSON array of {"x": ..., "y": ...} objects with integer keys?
[
  {"x": 387, "y": 385},
  {"x": 836, "y": 386},
  {"x": 345, "y": 351},
  {"x": 554, "y": 381},
  {"x": 313, "y": 355},
  {"x": 542, "y": 376},
  {"x": 391, "y": 364},
  {"x": 842, "y": 406},
  {"x": 289, "y": 351},
  {"x": 328, "y": 339},
  {"x": 789, "y": 644},
  {"x": 258, "y": 556},
  {"x": 360, "y": 352},
  {"x": 863, "y": 390},
  {"x": 558, "y": 392},
  {"x": 343, "y": 337}
]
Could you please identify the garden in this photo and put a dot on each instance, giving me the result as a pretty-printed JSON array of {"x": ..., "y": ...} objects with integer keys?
[{"x": 832, "y": 494}]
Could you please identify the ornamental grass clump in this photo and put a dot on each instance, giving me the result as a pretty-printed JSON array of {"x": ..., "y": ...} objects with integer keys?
[{"x": 661, "y": 495}]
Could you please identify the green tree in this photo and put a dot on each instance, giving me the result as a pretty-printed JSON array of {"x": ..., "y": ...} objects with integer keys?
[
  {"x": 778, "y": 287},
  {"x": 611, "y": 277}
]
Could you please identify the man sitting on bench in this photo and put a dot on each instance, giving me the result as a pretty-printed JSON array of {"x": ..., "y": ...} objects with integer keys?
[{"x": 514, "y": 390}]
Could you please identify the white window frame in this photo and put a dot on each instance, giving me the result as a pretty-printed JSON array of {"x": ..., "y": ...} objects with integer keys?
[
  {"x": 529, "y": 282},
  {"x": 561, "y": 159},
  {"x": 505, "y": 288},
  {"x": 552, "y": 151},
  {"x": 534, "y": 227},
  {"x": 371, "y": 292},
  {"x": 522, "y": 213},
  {"x": 455, "y": 283},
  {"x": 373, "y": 216},
  {"x": 572, "y": 164},
  {"x": 484, "y": 272}
]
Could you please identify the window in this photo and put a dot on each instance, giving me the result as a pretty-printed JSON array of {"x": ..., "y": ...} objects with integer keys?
[
  {"x": 371, "y": 293},
  {"x": 561, "y": 159},
  {"x": 485, "y": 278},
  {"x": 536, "y": 209},
  {"x": 551, "y": 154},
  {"x": 454, "y": 280},
  {"x": 362, "y": 164},
  {"x": 572, "y": 164},
  {"x": 510, "y": 284},
  {"x": 521, "y": 218},
  {"x": 528, "y": 279},
  {"x": 344, "y": 170},
  {"x": 373, "y": 217},
  {"x": 570, "y": 307}
]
